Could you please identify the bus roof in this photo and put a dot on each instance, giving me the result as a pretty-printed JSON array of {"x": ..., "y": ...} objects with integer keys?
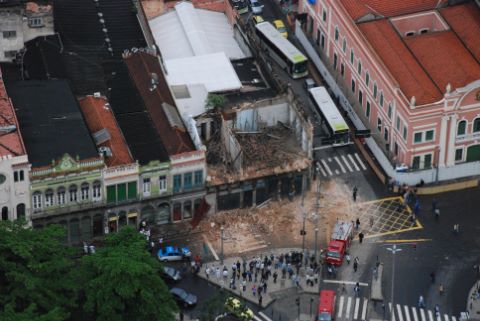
[
  {"x": 327, "y": 300},
  {"x": 285, "y": 46},
  {"x": 328, "y": 109}
]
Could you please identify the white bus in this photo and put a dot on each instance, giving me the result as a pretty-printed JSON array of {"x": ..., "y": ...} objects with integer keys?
[
  {"x": 336, "y": 125},
  {"x": 281, "y": 50}
]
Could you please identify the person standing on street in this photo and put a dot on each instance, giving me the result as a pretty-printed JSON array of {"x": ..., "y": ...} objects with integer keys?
[
  {"x": 356, "y": 289},
  {"x": 360, "y": 237},
  {"x": 347, "y": 257},
  {"x": 355, "y": 266},
  {"x": 275, "y": 275},
  {"x": 441, "y": 289},
  {"x": 421, "y": 302},
  {"x": 357, "y": 223},
  {"x": 260, "y": 299},
  {"x": 355, "y": 191}
]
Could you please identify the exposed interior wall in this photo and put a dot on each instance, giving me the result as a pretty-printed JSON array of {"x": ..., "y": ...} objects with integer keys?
[{"x": 232, "y": 147}]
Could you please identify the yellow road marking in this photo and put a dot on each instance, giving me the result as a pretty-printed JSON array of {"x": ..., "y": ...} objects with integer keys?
[
  {"x": 382, "y": 200},
  {"x": 394, "y": 232}
]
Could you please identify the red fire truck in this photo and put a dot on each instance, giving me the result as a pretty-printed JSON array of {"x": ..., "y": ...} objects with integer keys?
[{"x": 342, "y": 235}]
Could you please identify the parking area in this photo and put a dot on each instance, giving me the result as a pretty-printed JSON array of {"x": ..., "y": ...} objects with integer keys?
[{"x": 385, "y": 216}]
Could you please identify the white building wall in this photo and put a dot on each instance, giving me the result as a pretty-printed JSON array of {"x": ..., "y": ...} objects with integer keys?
[{"x": 13, "y": 193}]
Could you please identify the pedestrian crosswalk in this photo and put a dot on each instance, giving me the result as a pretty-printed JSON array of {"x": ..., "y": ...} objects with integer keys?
[
  {"x": 355, "y": 308},
  {"x": 409, "y": 313},
  {"x": 352, "y": 308},
  {"x": 342, "y": 164}
]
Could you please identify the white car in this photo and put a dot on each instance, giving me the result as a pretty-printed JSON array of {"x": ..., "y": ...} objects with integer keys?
[{"x": 256, "y": 6}]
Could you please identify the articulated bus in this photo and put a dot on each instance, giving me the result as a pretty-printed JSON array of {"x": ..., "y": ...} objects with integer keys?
[
  {"x": 281, "y": 50},
  {"x": 331, "y": 117}
]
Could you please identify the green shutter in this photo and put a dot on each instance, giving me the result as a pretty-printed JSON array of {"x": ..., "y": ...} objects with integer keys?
[
  {"x": 122, "y": 192},
  {"x": 111, "y": 194},
  {"x": 132, "y": 190}
]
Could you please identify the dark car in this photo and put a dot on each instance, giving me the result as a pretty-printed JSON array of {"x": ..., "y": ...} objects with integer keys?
[
  {"x": 171, "y": 274},
  {"x": 184, "y": 298}
]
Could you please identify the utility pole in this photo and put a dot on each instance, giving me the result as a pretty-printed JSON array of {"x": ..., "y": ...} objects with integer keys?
[
  {"x": 394, "y": 250},
  {"x": 316, "y": 234},
  {"x": 303, "y": 232},
  {"x": 221, "y": 242}
]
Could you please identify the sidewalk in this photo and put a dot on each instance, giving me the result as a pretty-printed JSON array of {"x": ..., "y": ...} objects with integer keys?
[
  {"x": 473, "y": 302},
  {"x": 281, "y": 288}
]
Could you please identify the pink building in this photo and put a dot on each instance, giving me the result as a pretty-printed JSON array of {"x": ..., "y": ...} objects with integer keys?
[{"x": 411, "y": 72}]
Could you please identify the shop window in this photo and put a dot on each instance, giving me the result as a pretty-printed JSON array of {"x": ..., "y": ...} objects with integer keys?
[{"x": 187, "y": 209}]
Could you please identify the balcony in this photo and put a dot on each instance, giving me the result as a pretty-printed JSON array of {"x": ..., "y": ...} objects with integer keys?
[{"x": 67, "y": 208}]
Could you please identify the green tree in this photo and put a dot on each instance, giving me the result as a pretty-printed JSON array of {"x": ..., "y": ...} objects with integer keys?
[
  {"x": 36, "y": 282},
  {"x": 215, "y": 101},
  {"x": 121, "y": 281}
]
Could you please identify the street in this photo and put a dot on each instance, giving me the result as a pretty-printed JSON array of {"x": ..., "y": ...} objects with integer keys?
[{"x": 426, "y": 246}]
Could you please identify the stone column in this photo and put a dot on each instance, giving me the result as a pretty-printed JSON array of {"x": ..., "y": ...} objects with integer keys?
[
  {"x": 442, "y": 144},
  {"x": 451, "y": 141}
]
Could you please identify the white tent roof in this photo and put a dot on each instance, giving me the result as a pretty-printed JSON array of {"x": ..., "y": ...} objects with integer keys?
[
  {"x": 187, "y": 31},
  {"x": 215, "y": 71}
]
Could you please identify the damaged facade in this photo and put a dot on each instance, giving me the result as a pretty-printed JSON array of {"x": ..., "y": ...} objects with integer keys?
[{"x": 261, "y": 150}]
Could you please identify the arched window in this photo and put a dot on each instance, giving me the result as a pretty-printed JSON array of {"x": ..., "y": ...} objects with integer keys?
[
  {"x": 73, "y": 193},
  {"x": 462, "y": 125},
  {"x": 61, "y": 195},
  {"x": 37, "y": 201},
  {"x": 21, "y": 212},
  {"x": 85, "y": 191},
  {"x": 97, "y": 187},
  {"x": 49, "y": 197},
  {"x": 476, "y": 125}
]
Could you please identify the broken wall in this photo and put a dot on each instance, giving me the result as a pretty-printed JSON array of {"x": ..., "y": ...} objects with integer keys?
[{"x": 232, "y": 147}]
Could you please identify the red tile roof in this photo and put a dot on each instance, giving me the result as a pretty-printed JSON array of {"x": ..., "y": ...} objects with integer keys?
[
  {"x": 464, "y": 19},
  {"x": 141, "y": 65},
  {"x": 98, "y": 117},
  {"x": 445, "y": 59},
  {"x": 413, "y": 80},
  {"x": 388, "y": 8},
  {"x": 11, "y": 142}
]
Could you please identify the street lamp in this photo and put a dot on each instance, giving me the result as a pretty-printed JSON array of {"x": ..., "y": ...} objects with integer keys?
[
  {"x": 221, "y": 242},
  {"x": 316, "y": 234},
  {"x": 394, "y": 250}
]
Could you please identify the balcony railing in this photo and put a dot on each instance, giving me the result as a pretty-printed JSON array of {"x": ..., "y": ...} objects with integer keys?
[{"x": 66, "y": 208}]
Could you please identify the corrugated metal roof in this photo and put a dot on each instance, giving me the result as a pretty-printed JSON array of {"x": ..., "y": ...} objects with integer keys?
[{"x": 187, "y": 32}]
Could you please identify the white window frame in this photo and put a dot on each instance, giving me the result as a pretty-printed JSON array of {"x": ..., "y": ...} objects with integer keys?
[
  {"x": 463, "y": 155},
  {"x": 49, "y": 200},
  {"x": 162, "y": 183},
  {"x": 433, "y": 137},
  {"x": 37, "y": 201},
  {"x": 84, "y": 193},
  {"x": 379, "y": 124},
  {"x": 61, "y": 197},
  {"x": 146, "y": 186},
  {"x": 97, "y": 192}
]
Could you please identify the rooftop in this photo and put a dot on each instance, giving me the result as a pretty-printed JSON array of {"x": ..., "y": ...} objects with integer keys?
[
  {"x": 414, "y": 61},
  {"x": 51, "y": 121},
  {"x": 11, "y": 142},
  {"x": 388, "y": 8},
  {"x": 100, "y": 119},
  {"x": 187, "y": 31},
  {"x": 158, "y": 101}
]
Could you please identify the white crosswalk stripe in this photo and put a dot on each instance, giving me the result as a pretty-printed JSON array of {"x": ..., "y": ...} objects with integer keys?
[
  {"x": 446, "y": 317},
  {"x": 352, "y": 308},
  {"x": 422, "y": 313},
  {"x": 407, "y": 315},
  {"x": 350, "y": 157},
  {"x": 349, "y": 305},
  {"x": 414, "y": 312},
  {"x": 340, "y": 307},
  {"x": 392, "y": 312},
  {"x": 355, "y": 311},
  {"x": 454, "y": 318},
  {"x": 346, "y": 163},
  {"x": 360, "y": 162},
  {"x": 399, "y": 310},
  {"x": 340, "y": 164},
  {"x": 430, "y": 315},
  {"x": 324, "y": 163}
]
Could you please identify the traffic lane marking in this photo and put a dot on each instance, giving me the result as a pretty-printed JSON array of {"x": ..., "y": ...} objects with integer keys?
[
  {"x": 399, "y": 310},
  {"x": 364, "y": 309},
  {"x": 406, "y": 312},
  {"x": 326, "y": 167},
  {"x": 393, "y": 232},
  {"x": 346, "y": 163},
  {"x": 355, "y": 311},
  {"x": 404, "y": 241},
  {"x": 360, "y": 161},
  {"x": 341, "y": 307},
  {"x": 345, "y": 282},
  {"x": 349, "y": 303},
  {"x": 340, "y": 164},
  {"x": 353, "y": 161}
]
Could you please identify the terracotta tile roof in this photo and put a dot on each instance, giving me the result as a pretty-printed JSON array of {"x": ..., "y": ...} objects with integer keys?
[
  {"x": 388, "y": 8},
  {"x": 445, "y": 59},
  {"x": 11, "y": 142},
  {"x": 141, "y": 65},
  {"x": 99, "y": 117},
  {"x": 464, "y": 20},
  {"x": 411, "y": 77}
]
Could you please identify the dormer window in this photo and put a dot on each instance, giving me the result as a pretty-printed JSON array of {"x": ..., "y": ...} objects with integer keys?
[
  {"x": 410, "y": 34},
  {"x": 423, "y": 31}
]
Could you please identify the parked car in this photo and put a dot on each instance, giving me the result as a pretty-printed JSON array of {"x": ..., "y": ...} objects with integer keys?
[
  {"x": 309, "y": 83},
  {"x": 171, "y": 274},
  {"x": 257, "y": 19},
  {"x": 173, "y": 253},
  {"x": 280, "y": 26},
  {"x": 183, "y": 297},
  {"x": 256, "y": 6}
]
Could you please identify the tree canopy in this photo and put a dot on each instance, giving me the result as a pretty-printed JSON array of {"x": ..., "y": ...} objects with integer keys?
[{"x": 42, "y": 279}]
